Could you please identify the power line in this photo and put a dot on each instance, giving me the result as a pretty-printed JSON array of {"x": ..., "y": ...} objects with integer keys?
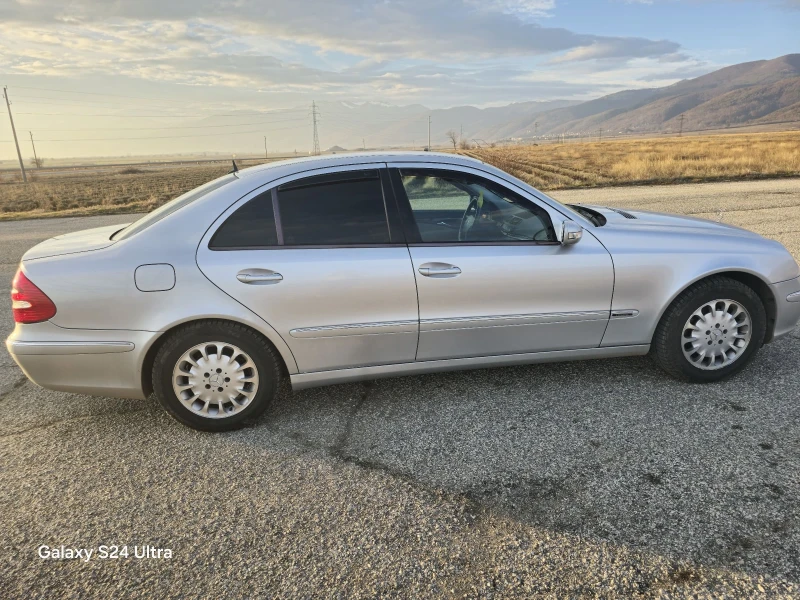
[
  {"x": 168, "y": 128},
  {"x": 164, "y": 137},
  {"x": 23, "y": 87},
  {"x": 81, "y": 101},
  {"x": 192, "y": 116}
]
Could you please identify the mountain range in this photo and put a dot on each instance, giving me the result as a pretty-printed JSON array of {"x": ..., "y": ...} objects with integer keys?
[{"x": 753, "y": 93}]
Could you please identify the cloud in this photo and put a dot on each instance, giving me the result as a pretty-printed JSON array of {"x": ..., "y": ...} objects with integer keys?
[
  {"x": 445, "y": 29},
  {"x": 438, "y": 52},
  {"x": 621, "y": 48}
]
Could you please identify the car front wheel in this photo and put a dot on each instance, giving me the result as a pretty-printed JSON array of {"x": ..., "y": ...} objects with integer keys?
[
  {"x": 215, "y": 376},
  {"x": 711, "y": 331}
]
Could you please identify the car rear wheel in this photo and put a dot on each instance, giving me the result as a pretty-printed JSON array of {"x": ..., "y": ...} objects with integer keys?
[
  {"x": 215, "y": 376},
  {"x": 711, "y": 331}
]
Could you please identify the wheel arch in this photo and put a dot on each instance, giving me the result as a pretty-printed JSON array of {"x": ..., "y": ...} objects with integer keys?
[
  {"x": 152, "y": 351},
  {"x": 748, "y": 278}
]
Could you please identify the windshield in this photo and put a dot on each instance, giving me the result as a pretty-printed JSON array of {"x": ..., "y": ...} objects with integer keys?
[{"x": 171, "y": 206}]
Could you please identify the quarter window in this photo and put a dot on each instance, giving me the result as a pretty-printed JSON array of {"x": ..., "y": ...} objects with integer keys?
[
  {"x": 338, "y": 209},
  {"x": 449, "y": 206},
  {"x": 252, "y": 225}
]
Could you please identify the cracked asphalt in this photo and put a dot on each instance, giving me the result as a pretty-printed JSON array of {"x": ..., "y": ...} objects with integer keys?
[{"x": 595, "y": 479}]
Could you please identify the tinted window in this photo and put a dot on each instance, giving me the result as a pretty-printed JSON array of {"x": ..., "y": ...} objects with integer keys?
[
  {"x": 338, "y": 209},
  {"x": 171, "y": 206},
  {"x": 457, "y": 207},
  {"x": 251, "y": 225}
]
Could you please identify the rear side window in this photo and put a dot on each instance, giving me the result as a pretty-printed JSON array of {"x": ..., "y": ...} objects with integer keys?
[
  {"x": 337, "y": 209},
  {"x": 252, "y": 225}
]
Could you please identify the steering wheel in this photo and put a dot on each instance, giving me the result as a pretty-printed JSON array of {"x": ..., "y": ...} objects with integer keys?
[{"x": 470, "y": 217}]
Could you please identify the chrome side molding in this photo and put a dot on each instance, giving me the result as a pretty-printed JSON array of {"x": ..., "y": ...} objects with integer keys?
[
  {"x": 306, "y": 380},
  {"x": 624, "y": 313},
  {"x": 50, "y": 348}
]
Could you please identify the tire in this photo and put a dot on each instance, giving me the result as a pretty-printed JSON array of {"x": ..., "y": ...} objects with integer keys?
[
  {"x": 683, "y": 356},
  {"x": 240, "y": 364}
]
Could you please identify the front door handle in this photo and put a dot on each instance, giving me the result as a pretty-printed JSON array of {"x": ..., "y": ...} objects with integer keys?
[
  {"x": 439, "y": 270},
  {"x": 259, "y": 276}
]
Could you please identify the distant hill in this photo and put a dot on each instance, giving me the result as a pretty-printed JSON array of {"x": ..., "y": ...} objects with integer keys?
[{"x": 752, "y": 93}]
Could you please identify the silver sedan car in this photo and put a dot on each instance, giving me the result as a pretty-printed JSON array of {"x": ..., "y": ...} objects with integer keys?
[{"x": 348, "y": 267}]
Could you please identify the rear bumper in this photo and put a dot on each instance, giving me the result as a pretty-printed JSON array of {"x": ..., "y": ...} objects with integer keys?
[
  {"x": 787, "y": 302},
  {"x": 82, "y": 361}
]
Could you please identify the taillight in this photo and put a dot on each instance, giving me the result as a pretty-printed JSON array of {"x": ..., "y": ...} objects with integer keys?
[{"x": 28, "y": 303}]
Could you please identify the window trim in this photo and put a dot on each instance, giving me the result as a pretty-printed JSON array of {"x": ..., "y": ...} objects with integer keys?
[
  {"x": 276, "y": 215},
  {"x": 393, "y": 224},
  {"x": 410, "y": 224}
]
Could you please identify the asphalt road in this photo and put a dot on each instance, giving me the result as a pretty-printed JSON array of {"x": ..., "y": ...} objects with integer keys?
[{"x": 601, "y": 478}]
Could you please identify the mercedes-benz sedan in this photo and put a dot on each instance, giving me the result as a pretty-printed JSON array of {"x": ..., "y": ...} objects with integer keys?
[{"x": 348, "y": 267}]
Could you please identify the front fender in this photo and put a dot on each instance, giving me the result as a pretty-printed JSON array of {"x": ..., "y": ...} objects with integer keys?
[{"x": 651, "y": 271}]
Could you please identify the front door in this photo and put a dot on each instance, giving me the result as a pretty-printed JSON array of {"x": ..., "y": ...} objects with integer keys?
[
  {"x": 491, "y": 277},
  {"x": 317, "y": 259}
]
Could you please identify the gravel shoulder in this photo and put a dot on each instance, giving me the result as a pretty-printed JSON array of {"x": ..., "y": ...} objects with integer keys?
[{"x": 602, "y": 478}]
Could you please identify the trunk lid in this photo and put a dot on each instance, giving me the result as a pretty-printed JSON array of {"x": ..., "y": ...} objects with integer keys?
[{"x": 71, "y": 243}]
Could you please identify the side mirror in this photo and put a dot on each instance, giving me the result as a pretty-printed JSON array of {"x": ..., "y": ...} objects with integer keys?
[{"x": 571, "y": 233}]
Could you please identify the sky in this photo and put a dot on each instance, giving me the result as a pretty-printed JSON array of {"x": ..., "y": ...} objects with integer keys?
[{"x": 85, "y": 71}]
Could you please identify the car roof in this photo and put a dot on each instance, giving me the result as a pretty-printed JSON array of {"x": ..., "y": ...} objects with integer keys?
[{"x": 295, "y": 165}]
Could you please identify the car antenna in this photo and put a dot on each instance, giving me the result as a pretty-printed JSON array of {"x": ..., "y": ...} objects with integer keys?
[{"x": 235, "y": 168}]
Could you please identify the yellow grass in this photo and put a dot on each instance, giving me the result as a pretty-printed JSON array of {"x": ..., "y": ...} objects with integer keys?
[
  {"x": 665, "y": 160},
  {"x": 548, "y": 167},
  {"x": 104, "y": 193}
]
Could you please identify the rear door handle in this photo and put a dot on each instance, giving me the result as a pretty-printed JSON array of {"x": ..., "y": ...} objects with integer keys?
[
  {"x": 259, "y": 276},
  {"x": 439, "y": 270}
]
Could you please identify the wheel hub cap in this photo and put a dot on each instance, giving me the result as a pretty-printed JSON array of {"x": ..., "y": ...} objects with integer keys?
[
  {"x": 215, "y": 380},
  {"x": 716, "y": 334}
]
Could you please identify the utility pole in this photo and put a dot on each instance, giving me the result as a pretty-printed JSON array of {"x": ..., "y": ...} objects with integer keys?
[
  {"x": 266, "y": 154},
  {"x": 600, "y": 135},
  {"x": 14, "y": 131},
  {"x": 363, "y": 144},
  {"x": 315, "y": 150},
  {"x": 35, "y": 158},
  {"x": 680, "y": 132},
  {"x": 429, "y": 133},
  {"x": 535, "y": 128}
]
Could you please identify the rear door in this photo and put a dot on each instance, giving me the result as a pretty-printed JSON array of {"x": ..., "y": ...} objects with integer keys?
[
  {"x": 491, "y": 276},
  {"x": 323, "y": 260}
]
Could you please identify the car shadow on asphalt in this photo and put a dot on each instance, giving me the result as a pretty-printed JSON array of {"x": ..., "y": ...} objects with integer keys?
[{"x": 611, "y": 449}]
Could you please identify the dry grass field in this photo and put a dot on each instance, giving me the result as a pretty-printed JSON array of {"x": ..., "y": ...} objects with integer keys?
[
  {"x": 548, "y": 167},
  {"x": 648, "y": 161},
  {"x": 119, "y": 191}
]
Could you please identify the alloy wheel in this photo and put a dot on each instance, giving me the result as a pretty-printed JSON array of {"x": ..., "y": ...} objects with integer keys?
[
  {"x": 215, "y": 379},
  {"x": 716, "y": 334}
]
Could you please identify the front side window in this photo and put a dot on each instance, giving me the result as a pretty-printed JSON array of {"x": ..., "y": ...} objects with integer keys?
[
  {"x": 336, "y": 209},
  {"x": 449, "y": 206}
]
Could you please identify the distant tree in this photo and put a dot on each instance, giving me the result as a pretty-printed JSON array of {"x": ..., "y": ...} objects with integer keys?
[
  {"x": 37, "y": 162},
  {"x": 453, "y": 137},
  {"x": 464, "y": 144}
]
